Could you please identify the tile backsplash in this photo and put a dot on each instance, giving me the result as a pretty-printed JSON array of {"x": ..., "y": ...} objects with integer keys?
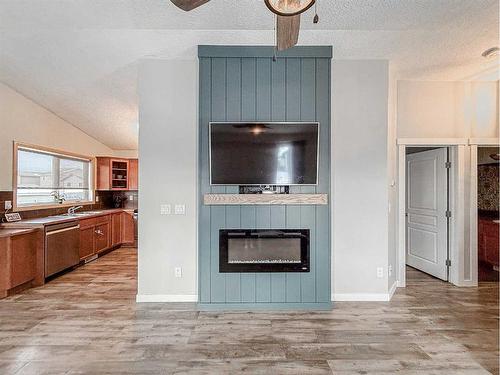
[{"x": 106, "y": 199}]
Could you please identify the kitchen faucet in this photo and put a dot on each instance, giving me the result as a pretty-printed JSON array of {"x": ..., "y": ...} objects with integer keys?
[{"x": 72, "y": 210}]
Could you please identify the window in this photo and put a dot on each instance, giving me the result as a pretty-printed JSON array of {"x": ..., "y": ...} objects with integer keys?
[{"x": 51, "y": 178}]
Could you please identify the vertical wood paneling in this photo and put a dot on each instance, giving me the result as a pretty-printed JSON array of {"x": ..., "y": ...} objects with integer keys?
[
  {"x": 278, "y": 280},
  {"x": 308, "y": 213},
  {"x": 248, "y": 214},
  {"x": 263, "y": 213},
  {"x": 217, "y": 214},
  {"x": 292, "y": 93},
  {"x": 248, "y": 110},
  {"x": 233, "y": 213},
  {"x": 278, "y": 213},
  {"x": 204, "y": 262},
  {"x": 257, "y": 89},
  {"x": 248, "y": 83},
  {"x": 263, "y": 89},
  {"x": 323, "y": 258}
]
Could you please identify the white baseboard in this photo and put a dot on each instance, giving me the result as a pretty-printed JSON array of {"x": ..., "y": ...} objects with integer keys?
[
  {"x": 166, "y": 298},
  {"x": 365, "y": 297}
]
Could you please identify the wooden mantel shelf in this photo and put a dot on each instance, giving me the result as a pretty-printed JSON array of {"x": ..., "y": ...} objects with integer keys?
[{"x": 278, "y": 199}]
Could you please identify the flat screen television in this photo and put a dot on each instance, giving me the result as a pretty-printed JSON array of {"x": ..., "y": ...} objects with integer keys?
[{"x": 264, "y": 153}]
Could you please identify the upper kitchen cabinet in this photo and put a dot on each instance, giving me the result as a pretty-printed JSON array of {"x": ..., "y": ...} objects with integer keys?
[
  {"x": 133, "y": 179},
  {"x": 117, "y": 174}
]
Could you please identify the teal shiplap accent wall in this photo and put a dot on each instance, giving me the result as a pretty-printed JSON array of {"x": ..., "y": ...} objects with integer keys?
[{"x": 244, "y": 84}]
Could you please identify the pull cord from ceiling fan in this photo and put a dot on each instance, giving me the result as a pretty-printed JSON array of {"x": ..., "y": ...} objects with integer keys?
[{"x": 316, "y": 17}]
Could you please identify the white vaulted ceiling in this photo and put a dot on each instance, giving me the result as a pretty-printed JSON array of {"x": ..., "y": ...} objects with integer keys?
[{"x": 79, "y": 58}]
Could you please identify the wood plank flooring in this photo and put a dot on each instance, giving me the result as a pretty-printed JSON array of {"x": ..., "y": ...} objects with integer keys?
[{"x": 87, "y": 322}]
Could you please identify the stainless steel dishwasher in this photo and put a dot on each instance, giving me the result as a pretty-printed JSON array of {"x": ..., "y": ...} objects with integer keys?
[{"x": 62, "y": 246}]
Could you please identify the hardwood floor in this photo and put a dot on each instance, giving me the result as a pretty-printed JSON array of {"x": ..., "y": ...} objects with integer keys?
[{"x": 87, "y": 322}]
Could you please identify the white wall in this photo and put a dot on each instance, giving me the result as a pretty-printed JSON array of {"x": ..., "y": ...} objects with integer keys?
[
  {"x": 168, "y": 97},
  {"x": 25, "y": 121},
  {"x": 360, "y": 172},
  {"x": 167, "y": 149},
  {"x": 392, "y": 176},
  {"x": 447, "y": 109}
]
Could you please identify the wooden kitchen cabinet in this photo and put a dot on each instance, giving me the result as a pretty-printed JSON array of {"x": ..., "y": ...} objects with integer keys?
[
  {"x": 103, "y": 173},
  {"x": 86, "y": 242},
  {"x": 488, "y": 242},
  {"x": 133, "y": 179},
  {"x": 21, "y": 259},
  {"x": 95, "y": 235},
  {"x": 128, "y": 227},
  {"x": 117, "y": 174},
  {"x": 105, "y": 232},
  {"x": 116, "y": 229},
  {"x": 102, "y": 236}
]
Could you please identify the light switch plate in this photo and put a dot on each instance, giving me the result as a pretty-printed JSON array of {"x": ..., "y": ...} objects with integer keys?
[
  {"x": 380, "y": 272},
  {"x": 180, "y": 209},
  {"x": 178, "y": 272},
  {"x": 165, "y": 209}
]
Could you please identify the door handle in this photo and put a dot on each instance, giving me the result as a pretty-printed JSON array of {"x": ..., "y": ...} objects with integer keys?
[{"x": 50, "y": 233}]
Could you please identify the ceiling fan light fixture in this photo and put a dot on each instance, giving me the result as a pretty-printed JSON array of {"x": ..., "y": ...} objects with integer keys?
[{"x": 289, "y": 7}]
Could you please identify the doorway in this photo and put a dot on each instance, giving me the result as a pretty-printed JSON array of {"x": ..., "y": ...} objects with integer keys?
[
  {"x": 487, "y": 198},
  {"x": 427, "y": 213}
]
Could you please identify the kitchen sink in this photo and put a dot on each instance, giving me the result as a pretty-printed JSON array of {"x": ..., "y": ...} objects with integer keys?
[{"x": 77, "y": 214}]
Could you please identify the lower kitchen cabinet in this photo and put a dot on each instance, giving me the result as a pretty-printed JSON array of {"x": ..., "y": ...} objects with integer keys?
[
  {"x": 102, "y": 237},
  {"x": 116, "y": 228},
  {"x": 105, "y": 232},
  {"x": 488, "y": 242},
  {"x": 21, "y": 259},
  {"x": 86, "y": 242},
  {"x": 95, "y": 235},
  {"x": 128, "y": 228}
]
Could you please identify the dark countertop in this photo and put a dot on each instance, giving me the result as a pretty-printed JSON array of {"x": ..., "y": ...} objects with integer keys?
[
  {"x": 58, "y": 219},
  {"x": 16, "y": 232},
  {"x": 488, "y": 215}
]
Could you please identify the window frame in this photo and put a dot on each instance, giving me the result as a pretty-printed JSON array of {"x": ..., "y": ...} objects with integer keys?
[{"x": 57, "y": 152}]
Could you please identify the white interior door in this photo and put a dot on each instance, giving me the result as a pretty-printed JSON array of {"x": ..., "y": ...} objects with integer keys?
[{"x": 426, "y": 205}]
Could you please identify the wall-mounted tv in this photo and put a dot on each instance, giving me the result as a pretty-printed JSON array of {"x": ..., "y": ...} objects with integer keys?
[{"x": 264, "y": 153}]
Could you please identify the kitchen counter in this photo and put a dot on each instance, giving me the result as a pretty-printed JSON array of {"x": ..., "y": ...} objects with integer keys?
[
  {"x": 59, "y": 219},
  {"x": 16, "y": 232}
]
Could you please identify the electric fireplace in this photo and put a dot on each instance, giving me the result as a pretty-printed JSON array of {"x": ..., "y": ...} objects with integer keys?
[{"x": 264, "y": 250}]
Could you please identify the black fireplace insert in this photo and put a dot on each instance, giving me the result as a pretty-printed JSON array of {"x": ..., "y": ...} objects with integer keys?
[{"x": 264, "y": 250}]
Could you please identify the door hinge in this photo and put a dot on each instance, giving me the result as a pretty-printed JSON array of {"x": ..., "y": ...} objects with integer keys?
[
  {"x": 448, "y": 263},
  {"x": 447, "y": 164},
  {"x": 448, "y": 213}
]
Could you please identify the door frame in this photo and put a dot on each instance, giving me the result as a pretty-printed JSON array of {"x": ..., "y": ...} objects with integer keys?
[
  {"x": 475, "y": 143},
  {"x": 458, "y": 154}
]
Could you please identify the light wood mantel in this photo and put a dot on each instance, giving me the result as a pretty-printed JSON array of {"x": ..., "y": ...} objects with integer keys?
[{"x": 277, "y": 199}]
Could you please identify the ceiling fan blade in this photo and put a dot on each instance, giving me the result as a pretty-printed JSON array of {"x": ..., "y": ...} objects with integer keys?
[
  {"x": 287, "y": 31},
  {"x": 188, "y": 5}
]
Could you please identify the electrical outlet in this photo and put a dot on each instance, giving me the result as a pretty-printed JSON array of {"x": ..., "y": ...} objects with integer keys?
[
  {"x": 390, "y": 269},
  {"x": 178, "y": 272},
  {"x": 165, "y": 209},
  {"x": 8, "y": 205},
  {"x": 380, "y": 272},
  {"x": 131, "y": 198},
  {"x": 180, "y": 209},
  {"x": 97, "y": 198}
]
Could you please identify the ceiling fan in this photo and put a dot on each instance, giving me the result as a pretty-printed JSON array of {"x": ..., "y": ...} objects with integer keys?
[{"x": 287, "y": 17}]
